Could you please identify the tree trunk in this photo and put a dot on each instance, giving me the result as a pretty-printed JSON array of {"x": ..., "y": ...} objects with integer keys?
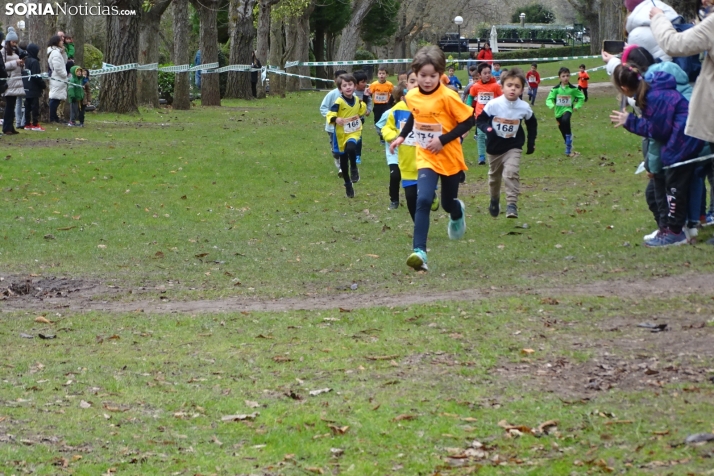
[
  {"x": 210, "y": 83},
  {"x": 240, "y": 18},
  {"x": 302, "y": 45},
  {"x": 589, "y": 11},
  {"x": 277, "y": 51},
  {"x": 318, "y": 47},
  {"x": 350, "y": 34},
  {"x": 265, "y": 7},
  {"x": 330, "y": 51},
  {"x": 118, "y": 92},
  {"x": 612, "y": 20},
  {"x": 182, "y": 29},
  {"x": 40, "y": 29},
  {"x": 76, "y": 29},
  {"x": 148, "y": 81}
]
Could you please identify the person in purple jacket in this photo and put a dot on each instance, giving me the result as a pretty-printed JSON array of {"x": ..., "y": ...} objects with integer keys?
[{"x": 664, "y": 116}]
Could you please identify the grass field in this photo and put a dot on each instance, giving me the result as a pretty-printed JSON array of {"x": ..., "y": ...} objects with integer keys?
[{"x": 523, "y": 323}]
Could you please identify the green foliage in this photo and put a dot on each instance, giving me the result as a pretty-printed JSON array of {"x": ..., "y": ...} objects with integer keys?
[
  {"x": 331, "y": 16},
  {"x": 535, "y": 13},
  {"x": 93, "y": 58},
  {"x": 362, "y": 54},
  {"x": 583, "y": 50},
  {"x": 166, "y": 84},
  {"x": 289, "y": 9},
  {"x": 380, "y": 23}
]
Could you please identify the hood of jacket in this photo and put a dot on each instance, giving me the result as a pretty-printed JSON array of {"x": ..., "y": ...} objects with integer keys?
[
  {"x": 660, "y": 81},
  {"x": 640, "y": 16},
  {"x": 681, "y": 78},
  {"x": 73, "y": 70},
  {"x": 33, "y": 50}
]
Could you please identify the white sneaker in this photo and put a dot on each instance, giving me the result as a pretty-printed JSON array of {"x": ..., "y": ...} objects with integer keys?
[
  {"x": 691, "y": 233},
  {"x": 651, "y": 235},
  {"x": 337, "y": 163}
]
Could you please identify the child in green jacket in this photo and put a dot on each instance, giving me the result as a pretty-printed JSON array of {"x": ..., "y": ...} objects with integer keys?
[
  {"x": 75, "y": 95},
  {"x": 565, "y": 98}
]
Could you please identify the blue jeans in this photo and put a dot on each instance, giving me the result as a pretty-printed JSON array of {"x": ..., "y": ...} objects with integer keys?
[
  {"x": 696, "y": 192},
  {"x": 426, "y": 188}
]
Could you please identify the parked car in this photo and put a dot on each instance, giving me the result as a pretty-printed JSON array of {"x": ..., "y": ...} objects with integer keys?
[{"x": 450, "y": 43}]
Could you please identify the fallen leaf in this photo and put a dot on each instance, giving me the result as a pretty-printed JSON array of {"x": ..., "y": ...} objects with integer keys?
[
  {"x": 85, "y": 405},
  {"x": 549, "y": 300},
  {"x": 543, "y": 427},
  {"x": 242, "y": 417},
  {"x": 372, "y": 256},
  {"x": 101, "y": 246},
  {"x": 345, "y": 310},
  {"x": 280, "y": 358},
  {"x": 261, "y": 336},
  {"x": 43, "y": 320},
  {"x": 252, "y": 404},
  {"x": 315, "y": 470},
  {"x": 338, "y": 430},
  {"x": 159, "y": 254},
  {"x": 217, "y": 441},
  {"x": 201, "y": 255},
  {"x": 527, "y": 351},
  {"x": 320, "y": 391},
  {"x": 66, "y": 228},
  {"x": 382, "y": 357},
  {"x": 404, "y": 417}
]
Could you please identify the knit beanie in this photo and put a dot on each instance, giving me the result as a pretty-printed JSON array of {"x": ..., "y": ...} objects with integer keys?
[
  {"x": 11, "y": 35},
  {"x": 632, "y": 4}
]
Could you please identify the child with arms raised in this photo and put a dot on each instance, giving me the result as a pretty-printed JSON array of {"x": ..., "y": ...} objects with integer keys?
[{"x": 438, "y": 119}]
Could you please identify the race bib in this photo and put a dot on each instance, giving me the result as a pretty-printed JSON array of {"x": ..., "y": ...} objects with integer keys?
[
  {"x": 531, "y": 79},
  {"x": 563, "y": 100},
  {"x": 353, "y": 124},
  {"x": 484, "y": 97},
  {"x": 506, "y": 128},
  {"x": 381, "y": 98},
  {"x": 411, "y": 139},
  {"x": 424, "y": 133}
]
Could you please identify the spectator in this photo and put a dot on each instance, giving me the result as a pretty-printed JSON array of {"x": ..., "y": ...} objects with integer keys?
[
  {"x": 69, "y": 51},
  {"x": 33, "y": 89},
  {"x": 472, "y": 60},
  {"x": 19, "y": 109},
  {"x": 255, "y": 64},
  {"x": 699, "y": 39},
  {"x": 58, "y": 75},
  {"x": 196, "y": 62},
  {"x": 485, "y": 54},
  {"x": 3, "y": 73},
  {"x": 13, "y": 66}
]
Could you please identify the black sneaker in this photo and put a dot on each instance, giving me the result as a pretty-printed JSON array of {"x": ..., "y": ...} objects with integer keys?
[
  {"x": 354, "y": 174},
  {"x": 393, "y": 205},
  {"x": 511, "y": 211},
  {"x": 462, "y": 177},
  {"x": 349, "y": 190},
  {"x": 494, "y": 208}
]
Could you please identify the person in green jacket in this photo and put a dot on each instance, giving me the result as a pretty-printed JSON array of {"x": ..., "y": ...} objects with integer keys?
[
  {"x": 75, "y": 95},
  {"x": 565, "y": 98}
]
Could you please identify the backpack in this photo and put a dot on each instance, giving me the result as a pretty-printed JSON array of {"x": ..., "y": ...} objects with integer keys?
[{"x": 692, "y": 65}]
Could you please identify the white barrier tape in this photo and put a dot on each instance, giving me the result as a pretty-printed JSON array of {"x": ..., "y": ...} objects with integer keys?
[
  {"x": 283, "y": 73},
  {"x": 201, "y": 67},
  {"x": 698, "y": 159},
  {"x": 148, "y": 67},
  {"x": 292, "y": 64},
  {"x": 587, "y": 70},
  {"x": 175, "y": 69}
]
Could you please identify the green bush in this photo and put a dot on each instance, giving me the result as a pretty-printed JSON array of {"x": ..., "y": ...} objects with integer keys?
[
  {"x": 93, "y": 58},
  {"x": 544, "y": 52},
  {"x": 166, "y": 84}
]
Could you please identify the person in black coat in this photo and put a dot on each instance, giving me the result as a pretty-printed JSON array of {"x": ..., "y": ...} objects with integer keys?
[
  {"x": 255, "y": 64},
  {"x": 33, "y": 88}
]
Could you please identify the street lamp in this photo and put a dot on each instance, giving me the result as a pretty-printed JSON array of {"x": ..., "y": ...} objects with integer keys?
[
  {"x": 21, "y": 27},
  {"x": 522, "y": 16},
  {"x": 459, "y": 21}
]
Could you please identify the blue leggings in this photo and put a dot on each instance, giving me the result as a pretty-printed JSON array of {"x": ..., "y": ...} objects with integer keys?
[{"x": 426, "y": 188}]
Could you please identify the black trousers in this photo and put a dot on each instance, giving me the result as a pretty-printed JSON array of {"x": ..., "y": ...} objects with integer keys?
[
  {"x": 410, "y": 193},
  {"x": 54, "y": 104},
  {"x": 585, "y": 92},
  {"x": 672, "y": 194},
  {"x": 656, "y": 204},
  {"x": 32, "y": 111},
  {"x": 253, "y": 87},
  {"x": 348, "y": 161},
  {"x": 564, "y": 124},
  {"x": 9, "y": 116},
  {"x": 395, "y": 180}
]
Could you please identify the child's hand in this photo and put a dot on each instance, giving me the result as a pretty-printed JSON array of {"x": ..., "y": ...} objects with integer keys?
[
  {"x": 434, "y": 146},
  {"x": 367, "y": 92},
  {"x": 340, "y": 121},
  {"x": 396, "y": 143},
  {"x": 606, "y": 57},
  {"x": 650, "y": 175},
  {"x": 619, "y": 118}
]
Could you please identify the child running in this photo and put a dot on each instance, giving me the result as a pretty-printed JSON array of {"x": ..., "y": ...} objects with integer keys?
[
  {"x": 500, "y": 121},
  {"x": 438, "y": 119},
  {"x": 484, "y": 90},
  {"x": 392, "y": 157},
  {"x": 327, "y": 103},
  {"x": 565, "y": 98},
  {"x": 363, "y": 93},
  {"x": 664, "y": 115},
  {"x": 346, "y": 114},
  {"x": 496, "y": 71},
  {"x": 583, "y": 78},
  {"x": 533, "y": 78},
  {"x": 381, "y": 91},
  {"x": 453, "y": 80}
]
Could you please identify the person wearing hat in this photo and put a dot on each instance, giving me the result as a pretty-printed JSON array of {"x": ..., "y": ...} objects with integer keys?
[{"x": 14, "y": 66}]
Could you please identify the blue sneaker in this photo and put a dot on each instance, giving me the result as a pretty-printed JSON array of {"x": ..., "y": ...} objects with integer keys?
[
  {"x": 667, "y": 238},
  {"x": 359, "y": 159},
  {"x": 417, "y": 260},
  {"x": 481, "y": 160},
  {"x": 709, "y": 220},
  {"x": 457, "y": 228}
]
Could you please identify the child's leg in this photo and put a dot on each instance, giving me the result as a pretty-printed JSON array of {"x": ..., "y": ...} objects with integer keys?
[
  {"x": 585, "y": 93},
  {"x": 495, "y": 171},
  {"x": 511, "y": 167},
  {"x": 710, "y": 178},
  {"x": 449, "y": 195},
  {"x": 651, "y": 201},
  {"x": 426, "y": 184},
  {"x": 81, "y": 112},
  {"x": 395, "y": 180},
  {"x": 347, "y": 157},
  {"x": 73, "y": 112},
  {"x": 481, "y": 143},
  {"x": 533, "y": 96},
  {"x": 677, "y": 189},
  {"x": 410, "y": 193},
  {"x": 564, "y": 125},
  {"x": 660, "y": 191},
  {"x": 696, "y": 185},
  {"x": 359, "y": 151}
]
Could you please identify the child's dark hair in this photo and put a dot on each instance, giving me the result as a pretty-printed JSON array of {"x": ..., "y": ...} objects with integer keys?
[
  {"x": 496, "y": 63},
  {"x": 382, "y": 67},
  {"x": 582, "y": 66},
  {"x": 339, "y": 73},
  {"x": 359, "y": 76},
  {"x": 513, "y": 73},
  {"x": 346, "y": 78},
  {"x": 482, "y": 66},
  {"x": 429, "y": 55},
  {"x": 403, "y": 73},
  {"x": 563, "y": 70},
  {"x": 473, "y": 69},
  {"x": 534, "y": 65},
  {"x": 630, "y": 77},
  {"x": 398, "y": 91},
  {"x": 641, "y": 58}
]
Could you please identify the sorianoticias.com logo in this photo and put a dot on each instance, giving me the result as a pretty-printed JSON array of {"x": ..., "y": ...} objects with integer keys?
[{"x": 56, "y": 8}]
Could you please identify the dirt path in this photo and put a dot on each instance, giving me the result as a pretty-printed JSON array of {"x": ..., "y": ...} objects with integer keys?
[{"x": 77, "y": 296}]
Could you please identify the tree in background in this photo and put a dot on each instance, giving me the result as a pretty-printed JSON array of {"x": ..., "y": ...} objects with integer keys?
[
  {"x": 148, "y": 81},
  {"x": 380, "y": 23},
  {"x": 181, "y": 54},
  {"x": 327, "y": 21},
  {"x": 242, "y": 34},
  {"x": 535, "y": 13},
  {"x": 210, "y": 83}
]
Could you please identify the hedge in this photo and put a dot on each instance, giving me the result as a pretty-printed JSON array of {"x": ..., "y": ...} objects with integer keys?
[{"x": 583, "y": 50}]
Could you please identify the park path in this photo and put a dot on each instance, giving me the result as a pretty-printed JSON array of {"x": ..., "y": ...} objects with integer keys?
[{"x": 89, "y": 298}]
